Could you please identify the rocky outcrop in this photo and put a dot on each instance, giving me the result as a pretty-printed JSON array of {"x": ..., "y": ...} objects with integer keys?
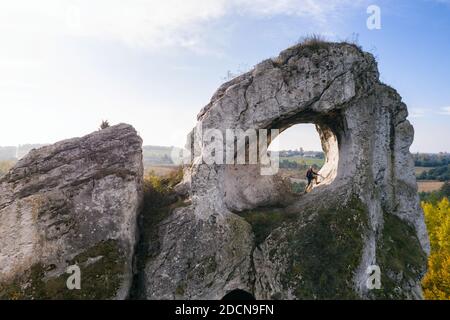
[
  {"x": 74, "y": 202},
  {"x": 243, "y": 232}
]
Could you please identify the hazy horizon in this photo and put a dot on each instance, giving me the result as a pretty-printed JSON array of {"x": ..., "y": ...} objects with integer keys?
[{"x": 290, "y": 139}]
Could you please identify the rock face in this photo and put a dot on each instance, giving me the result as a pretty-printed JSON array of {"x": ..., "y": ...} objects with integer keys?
[
  {"x": 74, "y": 202},
  {"x": 243, "y": 232}
]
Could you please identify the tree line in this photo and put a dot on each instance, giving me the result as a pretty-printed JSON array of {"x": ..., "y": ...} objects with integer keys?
[
  {"x": 431, "y": 159},
  {"x": 441, "y": 173}
]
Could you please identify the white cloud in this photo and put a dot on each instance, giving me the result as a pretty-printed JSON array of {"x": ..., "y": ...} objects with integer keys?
[
  {"x": 51, "y": 82},
  {"x": 445, "y": 111},
  {"x": 147, "y": 23},
  {"x": 417, "y": 112},
  {"x": 423, "y": 112}
]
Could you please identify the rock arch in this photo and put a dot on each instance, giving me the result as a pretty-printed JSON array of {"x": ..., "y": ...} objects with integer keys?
[
  {"x": 368, "y": 207},
  {"x": 245, "y": 188},
  {"x": 297, "y": 87}
]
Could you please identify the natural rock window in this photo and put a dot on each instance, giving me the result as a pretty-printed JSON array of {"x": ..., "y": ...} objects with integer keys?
[
  {"x": 319, "y": 246},
  {"x": 77, "y": 201},
  {"x": 320, "y": 151}
]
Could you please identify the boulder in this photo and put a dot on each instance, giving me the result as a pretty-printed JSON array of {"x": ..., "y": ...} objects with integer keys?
[{"x": 72, "y": 203}]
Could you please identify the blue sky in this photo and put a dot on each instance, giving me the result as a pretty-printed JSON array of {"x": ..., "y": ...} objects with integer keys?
[{"x": 67, "y": 64}]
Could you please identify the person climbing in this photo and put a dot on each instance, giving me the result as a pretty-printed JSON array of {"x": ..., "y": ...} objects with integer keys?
[{"x": 311, "y": 175}]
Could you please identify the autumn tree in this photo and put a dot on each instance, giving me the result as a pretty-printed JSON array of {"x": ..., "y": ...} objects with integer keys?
[{"x": 436, "y": 283}]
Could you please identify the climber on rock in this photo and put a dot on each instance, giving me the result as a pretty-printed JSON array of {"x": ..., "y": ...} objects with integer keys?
[{"x": 311, "y": 175}]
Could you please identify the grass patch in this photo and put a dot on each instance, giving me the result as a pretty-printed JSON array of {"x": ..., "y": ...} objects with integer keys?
[{"x": 314, "y": 42}]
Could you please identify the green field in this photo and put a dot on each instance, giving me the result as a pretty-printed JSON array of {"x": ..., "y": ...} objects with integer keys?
[{"x": 305, "y": 160}]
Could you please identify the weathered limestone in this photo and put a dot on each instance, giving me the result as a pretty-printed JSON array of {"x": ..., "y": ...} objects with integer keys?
[
  {"x": 76, "y": 202},
  {"x": 319, "y": 245},
  {"x": 72, "y": 202}
]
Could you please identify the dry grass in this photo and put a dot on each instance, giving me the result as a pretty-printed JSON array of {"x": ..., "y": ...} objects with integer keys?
[
  {"x": 314, "y": 41},
  {"x": 318, "y": 41},
  {"x": 5, "y": 166},
  {"x": 429, "y": 185}
]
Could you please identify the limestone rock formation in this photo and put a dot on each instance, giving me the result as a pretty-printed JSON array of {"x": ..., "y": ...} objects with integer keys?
[
  {"x": 243, "y": 232},
  {"x": 74, "y": 202}
]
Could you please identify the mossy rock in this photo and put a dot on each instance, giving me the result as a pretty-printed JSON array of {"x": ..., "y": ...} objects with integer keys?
[
  {"x": 324, "y": 254},
  {"x": 400, "y": 257},
  {"x": 266, "y": 220},
  {"x": 320, "y": 247},
  {"x": 101, "y": 277},
  {"x": 181, "y": 288}
]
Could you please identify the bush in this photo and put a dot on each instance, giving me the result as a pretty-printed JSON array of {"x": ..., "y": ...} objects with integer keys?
[
  {"x": 158, "y": 190},
  {"x": 436, "y": 283},
  {"x": 298, "y": 187},
  {"x": 104, "y": 124},
  {"x": 431, "y": 160}
]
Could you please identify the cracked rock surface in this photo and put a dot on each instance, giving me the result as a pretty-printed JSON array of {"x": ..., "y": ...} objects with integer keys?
[
  {"x": 77, "y": 201},
  {"x": 315, "y": 246},
  {"x": 74, "y": 202}
]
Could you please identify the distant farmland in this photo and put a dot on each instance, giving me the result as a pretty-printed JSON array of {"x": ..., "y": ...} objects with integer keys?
[
  {"x": 305, "y": 160},
  {"x": 429, "y": 186},
  {"x": 420, "y": 170}
]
